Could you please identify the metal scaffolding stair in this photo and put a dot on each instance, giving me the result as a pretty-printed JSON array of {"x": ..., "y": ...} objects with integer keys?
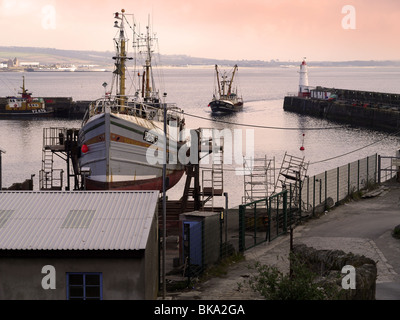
[
  {"x": 62, "y": 142},
  {"x": 291, "y": 176},
  {"x": 259, "y": 178},
  {"x": 212, "y": 178},
  {"x": 49, "y": 178}
]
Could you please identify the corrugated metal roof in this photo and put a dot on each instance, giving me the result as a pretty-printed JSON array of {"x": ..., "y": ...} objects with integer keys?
[{"x": 86, "y": 220}]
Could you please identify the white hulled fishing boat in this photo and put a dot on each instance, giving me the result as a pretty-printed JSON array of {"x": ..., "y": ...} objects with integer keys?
[{"x": 123, "y": 137}]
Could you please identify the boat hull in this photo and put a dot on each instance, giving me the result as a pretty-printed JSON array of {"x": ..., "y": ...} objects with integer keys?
[
  {"x": 224, "y": 106},
  {"x": 121, "y": 155},
  {"x": 8, "y": 114},
  {"x": 145, "y": 184}
]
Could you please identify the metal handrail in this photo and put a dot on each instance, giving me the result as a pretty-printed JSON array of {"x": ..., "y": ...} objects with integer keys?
[{"x": 144, "y": 110}]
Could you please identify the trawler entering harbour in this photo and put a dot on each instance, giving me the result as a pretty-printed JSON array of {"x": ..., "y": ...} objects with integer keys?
[
  {"x": 225, "y": 98},
  {"x": 118, "y": 129}
]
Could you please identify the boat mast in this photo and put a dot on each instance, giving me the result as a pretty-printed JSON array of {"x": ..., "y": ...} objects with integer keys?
[
  {"x": 233, "y": 75},
  {"x": 24, "y": 92},
  {"x": 23, "y": 85},
  {"x": 219, "y": 85},
  {"x": 121, "y": 57},
  {"x": 148, "y": 64}
]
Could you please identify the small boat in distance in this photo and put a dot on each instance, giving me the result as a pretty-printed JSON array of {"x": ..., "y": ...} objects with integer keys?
[
  {"x": 225, "y": 99},
  {"x": 24, "y": 106}
]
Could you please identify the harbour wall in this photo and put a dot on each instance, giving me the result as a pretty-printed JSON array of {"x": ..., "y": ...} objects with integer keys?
[{"x": 361, "y": 113}]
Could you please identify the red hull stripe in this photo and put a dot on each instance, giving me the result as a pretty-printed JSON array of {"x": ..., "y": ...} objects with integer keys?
[{"x": 149, "y": 184}]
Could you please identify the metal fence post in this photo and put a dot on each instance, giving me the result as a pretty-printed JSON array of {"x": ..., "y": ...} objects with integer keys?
[
  {"x": 285, "y": 211},
  {"x": 313, "y": 211},
  {"x": 203, "y": 242},
  {"x": 300, "y": 191},
  {"x": 337, "y": 185},
  {"x": 221, "y": 219},
  {"x": 226, "y": 217},
  {"x": 255, "y": 224},
  {"x": 320, "y": 190},
  {"x": 308, "y": 193},
  {"x": 326, "y": 190},
  {"x": 242, "y": 210},
  {"x": 379, "y": 169},
  {"x": 358, "y": 175},
  {"x": 269, "y": 219},
  {"x": 277, "y": 214}
]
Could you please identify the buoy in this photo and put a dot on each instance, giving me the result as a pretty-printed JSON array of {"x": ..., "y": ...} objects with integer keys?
[
  {"x": 84, "y": 148},
  {"x": 302, "y": 147}
]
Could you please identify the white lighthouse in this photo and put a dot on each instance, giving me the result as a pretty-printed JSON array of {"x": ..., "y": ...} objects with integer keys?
[{"x": 304, "y": 90}]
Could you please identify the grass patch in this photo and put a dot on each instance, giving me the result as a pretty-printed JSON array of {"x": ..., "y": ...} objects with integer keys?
[
  {"x": 221, "y": 268},
  {"x": 272, "y": 284},
  {"x": 396, "y": 232}
]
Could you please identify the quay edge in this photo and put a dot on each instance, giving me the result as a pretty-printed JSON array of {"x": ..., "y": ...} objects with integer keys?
[{"x": 362, "y": 113}]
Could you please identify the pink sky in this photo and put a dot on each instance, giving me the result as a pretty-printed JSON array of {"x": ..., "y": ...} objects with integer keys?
[{"x": 222, "y": 29}]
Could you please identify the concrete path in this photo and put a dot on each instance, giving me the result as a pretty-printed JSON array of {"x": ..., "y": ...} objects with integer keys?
[{"x": 362, "y": 227}]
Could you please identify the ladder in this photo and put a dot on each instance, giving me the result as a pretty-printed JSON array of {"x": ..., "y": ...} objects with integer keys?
[
  {"x": 49, "y": 178},
  {"x": 213, "y": 179},
  {"x": 211, "y": 182}
]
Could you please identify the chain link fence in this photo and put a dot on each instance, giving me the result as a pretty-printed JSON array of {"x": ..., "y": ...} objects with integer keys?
[{"x": 333, "y": 186}]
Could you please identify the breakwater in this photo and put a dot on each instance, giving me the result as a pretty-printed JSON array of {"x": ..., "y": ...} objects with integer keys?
[{"x": 378, "y": 111}]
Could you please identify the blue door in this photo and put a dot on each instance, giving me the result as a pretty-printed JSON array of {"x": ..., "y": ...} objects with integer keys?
[{"x": 192, "y": 236}]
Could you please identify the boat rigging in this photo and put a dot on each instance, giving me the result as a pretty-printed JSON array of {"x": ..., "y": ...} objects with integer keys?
[{"x": 122, "y": 136}]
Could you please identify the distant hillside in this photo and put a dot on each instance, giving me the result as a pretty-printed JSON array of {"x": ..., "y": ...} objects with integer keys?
[{"x": 53, "y": 56}]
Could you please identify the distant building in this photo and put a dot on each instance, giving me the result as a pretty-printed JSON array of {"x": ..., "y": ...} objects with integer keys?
[
  {"x": 79, "y": 245},
  {"x": 321, "y": 93},
  {"x": 13, "y": 63},
  {"x": 29, "y": 64}
]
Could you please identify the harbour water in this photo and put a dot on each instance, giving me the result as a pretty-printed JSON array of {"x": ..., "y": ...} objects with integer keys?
[{"x": 326, "y": 144}]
